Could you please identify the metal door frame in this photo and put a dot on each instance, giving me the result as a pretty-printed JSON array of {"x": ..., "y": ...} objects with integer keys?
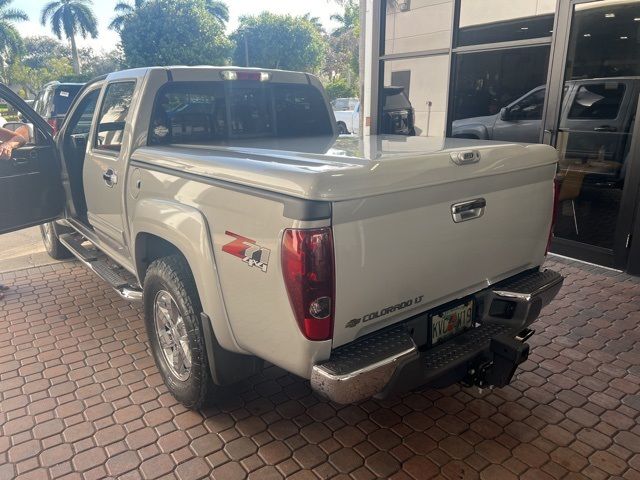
[{"x": 623, "y": 256}]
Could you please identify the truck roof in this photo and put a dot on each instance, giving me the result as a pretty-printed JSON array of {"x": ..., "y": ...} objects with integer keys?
[{"x": 179, "y": 72}]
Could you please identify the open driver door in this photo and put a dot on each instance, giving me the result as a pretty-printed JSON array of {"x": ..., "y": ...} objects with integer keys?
[{"x": 31, "y": 190}]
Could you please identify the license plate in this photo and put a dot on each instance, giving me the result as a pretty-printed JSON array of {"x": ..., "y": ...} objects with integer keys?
[{"x": 450, "y": 322}]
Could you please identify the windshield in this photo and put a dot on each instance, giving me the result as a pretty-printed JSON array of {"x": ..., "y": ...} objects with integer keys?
[{"x": 221, "y": 113}]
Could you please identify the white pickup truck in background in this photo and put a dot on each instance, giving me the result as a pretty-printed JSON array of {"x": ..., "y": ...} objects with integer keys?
[
  {"x": 347, "y": 113},
  {"x": 224, "y": 200}
]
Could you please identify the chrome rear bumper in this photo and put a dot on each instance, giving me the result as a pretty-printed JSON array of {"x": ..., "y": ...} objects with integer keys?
[{"x": 389, "y": 360}]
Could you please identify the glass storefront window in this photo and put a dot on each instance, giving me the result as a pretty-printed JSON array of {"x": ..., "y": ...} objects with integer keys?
[
  {"x": 417, "y": 26},
  {"x": 413, "y": 98},
  {"x": 494, "y": 21},
  {"x": 597, "y": 121},
  {"x": 499, "y": 95},
  {"x": 605, "y": 38}
]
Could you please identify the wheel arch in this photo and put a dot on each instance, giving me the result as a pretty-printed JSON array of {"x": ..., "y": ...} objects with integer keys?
[{"x": 163, "y": 228}]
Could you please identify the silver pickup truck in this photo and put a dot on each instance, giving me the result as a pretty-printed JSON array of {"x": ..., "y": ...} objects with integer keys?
[{"x": 224, "y": 201}]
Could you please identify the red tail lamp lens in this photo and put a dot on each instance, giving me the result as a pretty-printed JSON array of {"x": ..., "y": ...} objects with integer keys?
[{"x": 308, "y": 269}]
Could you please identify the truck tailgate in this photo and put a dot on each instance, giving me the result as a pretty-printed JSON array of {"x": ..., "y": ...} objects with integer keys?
[{"x": 400, "y": 253}]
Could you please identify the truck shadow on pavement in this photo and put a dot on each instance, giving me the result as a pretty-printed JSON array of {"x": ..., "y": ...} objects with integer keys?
[{"x": 79, "y": 392}]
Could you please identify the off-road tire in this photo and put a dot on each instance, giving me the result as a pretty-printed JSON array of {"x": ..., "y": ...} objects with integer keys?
[
  {"x": 172, "y": 274},
  {"x": 50, "y": 237}
]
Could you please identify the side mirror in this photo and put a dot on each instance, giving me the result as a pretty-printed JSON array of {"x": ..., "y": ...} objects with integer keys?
[{"x": 504, "y": 113}]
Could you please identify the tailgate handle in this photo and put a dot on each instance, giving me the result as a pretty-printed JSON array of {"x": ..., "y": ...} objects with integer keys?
[{"x": 463, "y": 211}]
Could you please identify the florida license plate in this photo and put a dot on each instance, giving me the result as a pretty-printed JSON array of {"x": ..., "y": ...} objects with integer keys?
[{"x": 450, "y": 322}]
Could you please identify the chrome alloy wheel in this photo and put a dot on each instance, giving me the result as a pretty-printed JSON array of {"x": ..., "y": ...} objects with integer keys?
[
  {"x": 47, "y": 230},
  {"x": 172, "y": 335}
]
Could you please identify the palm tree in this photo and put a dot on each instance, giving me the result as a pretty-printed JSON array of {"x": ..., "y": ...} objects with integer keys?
[
  {"x": 10, "y": 40},
  {"x": 219, "y": 10},
  {"x": 124, "y": 10},
  {"x": 71, "y": 17},
  {"x": 315, "y": 21},
  {"x": 349, "y": 20}
]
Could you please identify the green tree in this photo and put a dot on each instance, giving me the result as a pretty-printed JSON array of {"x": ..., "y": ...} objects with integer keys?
[
  {"x": 10, "y": 40},
  {"x": 342, "y": 60},
  {"x": 39, "y": 50},
  {"x": 278, "y": 41},
  {"x": 349, "y": 20},
  {"x": 124, "y": 11},
  {"x": 170, "y": 32},
  {"x": 32, "y": 79},
  {"x": 340, "y": 88},
  {"x": 219, "y": 10},
  {"x": 71, "y": 17},
  {"x": 315, "y": 21}
]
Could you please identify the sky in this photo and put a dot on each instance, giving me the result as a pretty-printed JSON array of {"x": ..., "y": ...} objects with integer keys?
[{"x": 108, "y": 39}]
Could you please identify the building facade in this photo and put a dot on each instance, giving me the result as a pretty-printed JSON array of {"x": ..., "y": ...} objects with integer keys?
[{"x": 561, "y": 72}]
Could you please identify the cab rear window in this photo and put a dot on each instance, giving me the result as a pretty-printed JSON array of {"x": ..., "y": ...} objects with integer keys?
[
  {"x": 228, "y": 112},
  {"x": 63, "y": 97}
]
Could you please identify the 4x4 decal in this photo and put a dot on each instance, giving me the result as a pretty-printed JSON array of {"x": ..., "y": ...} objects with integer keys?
[{"x": 246, "y": 249}]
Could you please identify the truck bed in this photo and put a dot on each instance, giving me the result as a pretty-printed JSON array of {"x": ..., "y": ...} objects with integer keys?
[
  {"x": 350, "y": 168},
  {"x": 398, "y": 249}
]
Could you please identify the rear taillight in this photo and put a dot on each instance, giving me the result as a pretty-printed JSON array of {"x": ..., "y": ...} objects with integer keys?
[
  {"x": 54, "y": 124},
  {"x": 308, "y": 269},
  {"x": 556, "y": 197}
]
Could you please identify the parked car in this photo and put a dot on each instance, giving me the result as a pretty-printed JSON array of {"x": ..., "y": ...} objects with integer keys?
[
  {"x": 596, "y": 105},
  {"x": 344, "y": 104},
  {"x": 398, "y": 116},
  {"x": 596, "y": 116},
  {"x": 223, "y": 199},
  {"x": 348, "y": 121},
  {"x": 54, "y": 100}
]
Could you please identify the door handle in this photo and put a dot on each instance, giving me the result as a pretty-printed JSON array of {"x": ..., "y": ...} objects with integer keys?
[
  {"x": 110, "y": 178},
  {"x": 20, "y": 161},
  {"x": 605, "y": 128},
  {"x": 463, "y": 211}
]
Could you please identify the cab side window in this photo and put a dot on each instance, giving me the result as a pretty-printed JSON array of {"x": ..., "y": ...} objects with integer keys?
[
  {"x": 83, "y": 115},
  {"x": 599, "y": 101},
  {"x": 113, "y": 116},
  {"x": 530, "y": 107}
]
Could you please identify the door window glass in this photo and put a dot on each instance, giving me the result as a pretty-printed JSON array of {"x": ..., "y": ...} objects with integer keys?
[
  {"x": 598, "y": 101},
  {"x": 113, "y": 116},
  {"x": 530, "y": 107},
  {"x": 83, "y": 115}
]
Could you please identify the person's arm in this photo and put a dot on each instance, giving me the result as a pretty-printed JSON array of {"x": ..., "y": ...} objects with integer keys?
[{"x": 10, "y": 140}]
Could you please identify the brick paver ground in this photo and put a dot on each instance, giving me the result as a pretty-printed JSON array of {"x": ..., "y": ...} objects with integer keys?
[{"x": 81, "y": 398}]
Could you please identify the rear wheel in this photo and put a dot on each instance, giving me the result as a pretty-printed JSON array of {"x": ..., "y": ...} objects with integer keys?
[
  {"x": 342, "y": 128},
  {"x": 172, "y": 317},
  {"x": 50, "y": 233}
]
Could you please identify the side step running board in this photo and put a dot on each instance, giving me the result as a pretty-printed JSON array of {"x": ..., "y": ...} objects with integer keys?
[{"x": 126, "y": 290}]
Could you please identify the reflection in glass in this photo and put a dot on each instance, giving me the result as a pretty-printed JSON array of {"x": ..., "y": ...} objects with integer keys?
[
  {"x": 499, "y": 95},
  {"x": 398, "y": 116},
  {"x": 493, "y": 21},
  {"x": 597, "y": 120}
]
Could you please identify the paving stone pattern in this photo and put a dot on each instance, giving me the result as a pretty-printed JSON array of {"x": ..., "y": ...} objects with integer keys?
[{"x": 81, "y": 398}]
